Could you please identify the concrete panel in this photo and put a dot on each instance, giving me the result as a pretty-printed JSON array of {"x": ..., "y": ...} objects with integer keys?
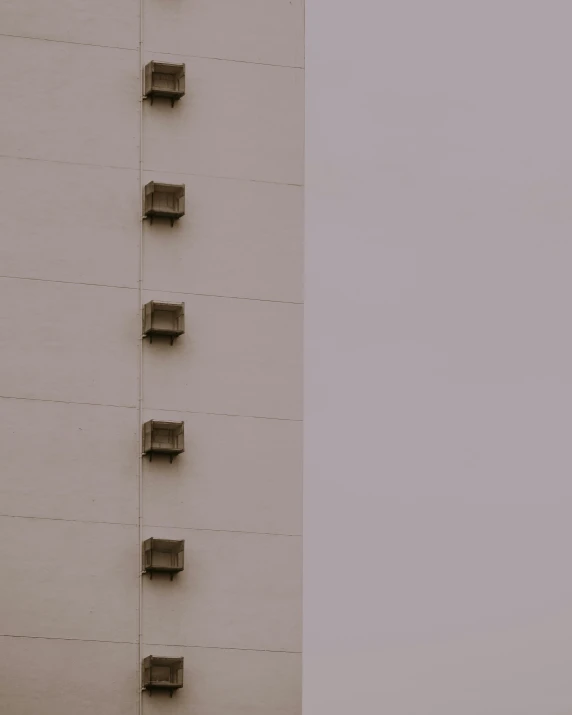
[
  {"x": 237, "y": 357},
  {"x": 69, "y": 461},
  {"x": 67, "y": 102},
  {"x": 54, "y": 677},
  {"x": 238, "y": 238},
  {"x": 104, "y": 22},
  {"x": 237, "y": 120},
  {"x": 232, "y": 683},
  {"x": 69, "y": 342},
  {"x": 69, "y": 579},
  {"x": 266, "y": 31},
  {"x": 68, "y": 222},
  {"x": 237, "y": 591},
  {"x": 237, "y": 473}
]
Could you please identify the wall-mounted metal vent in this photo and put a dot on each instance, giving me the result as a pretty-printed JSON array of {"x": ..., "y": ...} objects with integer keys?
[
  {"x": 163, "y": 79},
  {"x": 160, "y": 673},
  {"x": 163, "y": 319},
  {"x": 163, "y": 556},
  {"x": 164, "y": 201},
  {"x": 163, "y": 438}
]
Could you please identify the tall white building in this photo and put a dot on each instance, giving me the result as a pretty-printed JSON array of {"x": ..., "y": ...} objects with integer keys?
[{"x": 78, "y": 146}]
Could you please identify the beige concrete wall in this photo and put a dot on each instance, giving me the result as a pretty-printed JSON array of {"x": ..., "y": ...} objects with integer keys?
[
  {"x": 251, "y": 31},
  {"x": 240, "y": 120},
  {"x": 52, "y": 676},
  {"x": 81, "y": 464},
  {"x": 223, "y": 681},
  {"x": 239, "y": 357},
  {"x": 70, "y": 220},
  {"x": 238, "y": 474},
  {"x": 238, "y": 590},
  {"x": 252, "y": 224}
]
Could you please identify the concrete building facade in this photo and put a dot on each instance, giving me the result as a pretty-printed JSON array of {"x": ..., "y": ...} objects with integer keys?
[{"x": 77, "y": 263}]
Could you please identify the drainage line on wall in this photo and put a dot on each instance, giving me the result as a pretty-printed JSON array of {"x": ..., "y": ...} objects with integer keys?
[{"x": 140, "y": 401}]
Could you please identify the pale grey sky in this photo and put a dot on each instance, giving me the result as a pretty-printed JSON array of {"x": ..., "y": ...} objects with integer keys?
[{"x": 438, "y": 550}]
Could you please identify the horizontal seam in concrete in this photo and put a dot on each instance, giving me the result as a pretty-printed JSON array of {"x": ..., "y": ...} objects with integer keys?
[
  {"x": 225, "y": 178},
  {"x": 68, "y": 42},
  {"x": 222, "y": 414},
  {"x": 67, "y": 402},
  {"x": 222, "y": 531},
  {"x": 228, "y": 297},
  {"x": 72, "y": 521},
  {"x": 154, "y": 290},
  {"x": 68, "y": 163},
  {"x": 55, "y": 638},
  {"x": 225, "y": 59},
  {"x": 148, "y": 526},
  {"x": 75, "y": 283},
  {"x": 161, "y": 645},
  {"x": 157, "y": 409},
  {"x": 154, "y": 52},
  {"x": 218, "y": 647},
  {"x": 162, "y": 171}
]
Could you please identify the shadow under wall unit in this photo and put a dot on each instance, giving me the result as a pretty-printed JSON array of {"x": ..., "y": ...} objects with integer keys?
[
  {"x": 164, "y": 79},
  {"x": 163, "y": 556},
  {"x": 164, "y": 201},
  {"x": 162, "y": 674},
  {"x": 163, "y": 438},
  {"x": 165, "y": 319}
]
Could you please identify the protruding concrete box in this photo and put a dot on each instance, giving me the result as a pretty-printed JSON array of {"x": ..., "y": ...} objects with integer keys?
[
  {"x": 163, "y": 438},
  {"x": 162, "y": 674},
  {"x": 160, "y": 318},
  {"x": 164, "y": 201},
  {"x": 163, "y": 556},
  {"x": 164, "y": 79}
]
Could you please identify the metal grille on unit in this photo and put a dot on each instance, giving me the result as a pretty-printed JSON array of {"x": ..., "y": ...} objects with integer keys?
[
  {"x": 164, "y": 201},
  {"x": 160, "y": 673},
  {"x": 163, "y": 319},
  {"x": 163, "y": 438},
  {"x": 164, "y": 79},
  {"x": 163, "y": 556}
]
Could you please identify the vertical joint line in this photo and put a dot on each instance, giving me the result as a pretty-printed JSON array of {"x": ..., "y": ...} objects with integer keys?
[{"x": 140, "y": 400}]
